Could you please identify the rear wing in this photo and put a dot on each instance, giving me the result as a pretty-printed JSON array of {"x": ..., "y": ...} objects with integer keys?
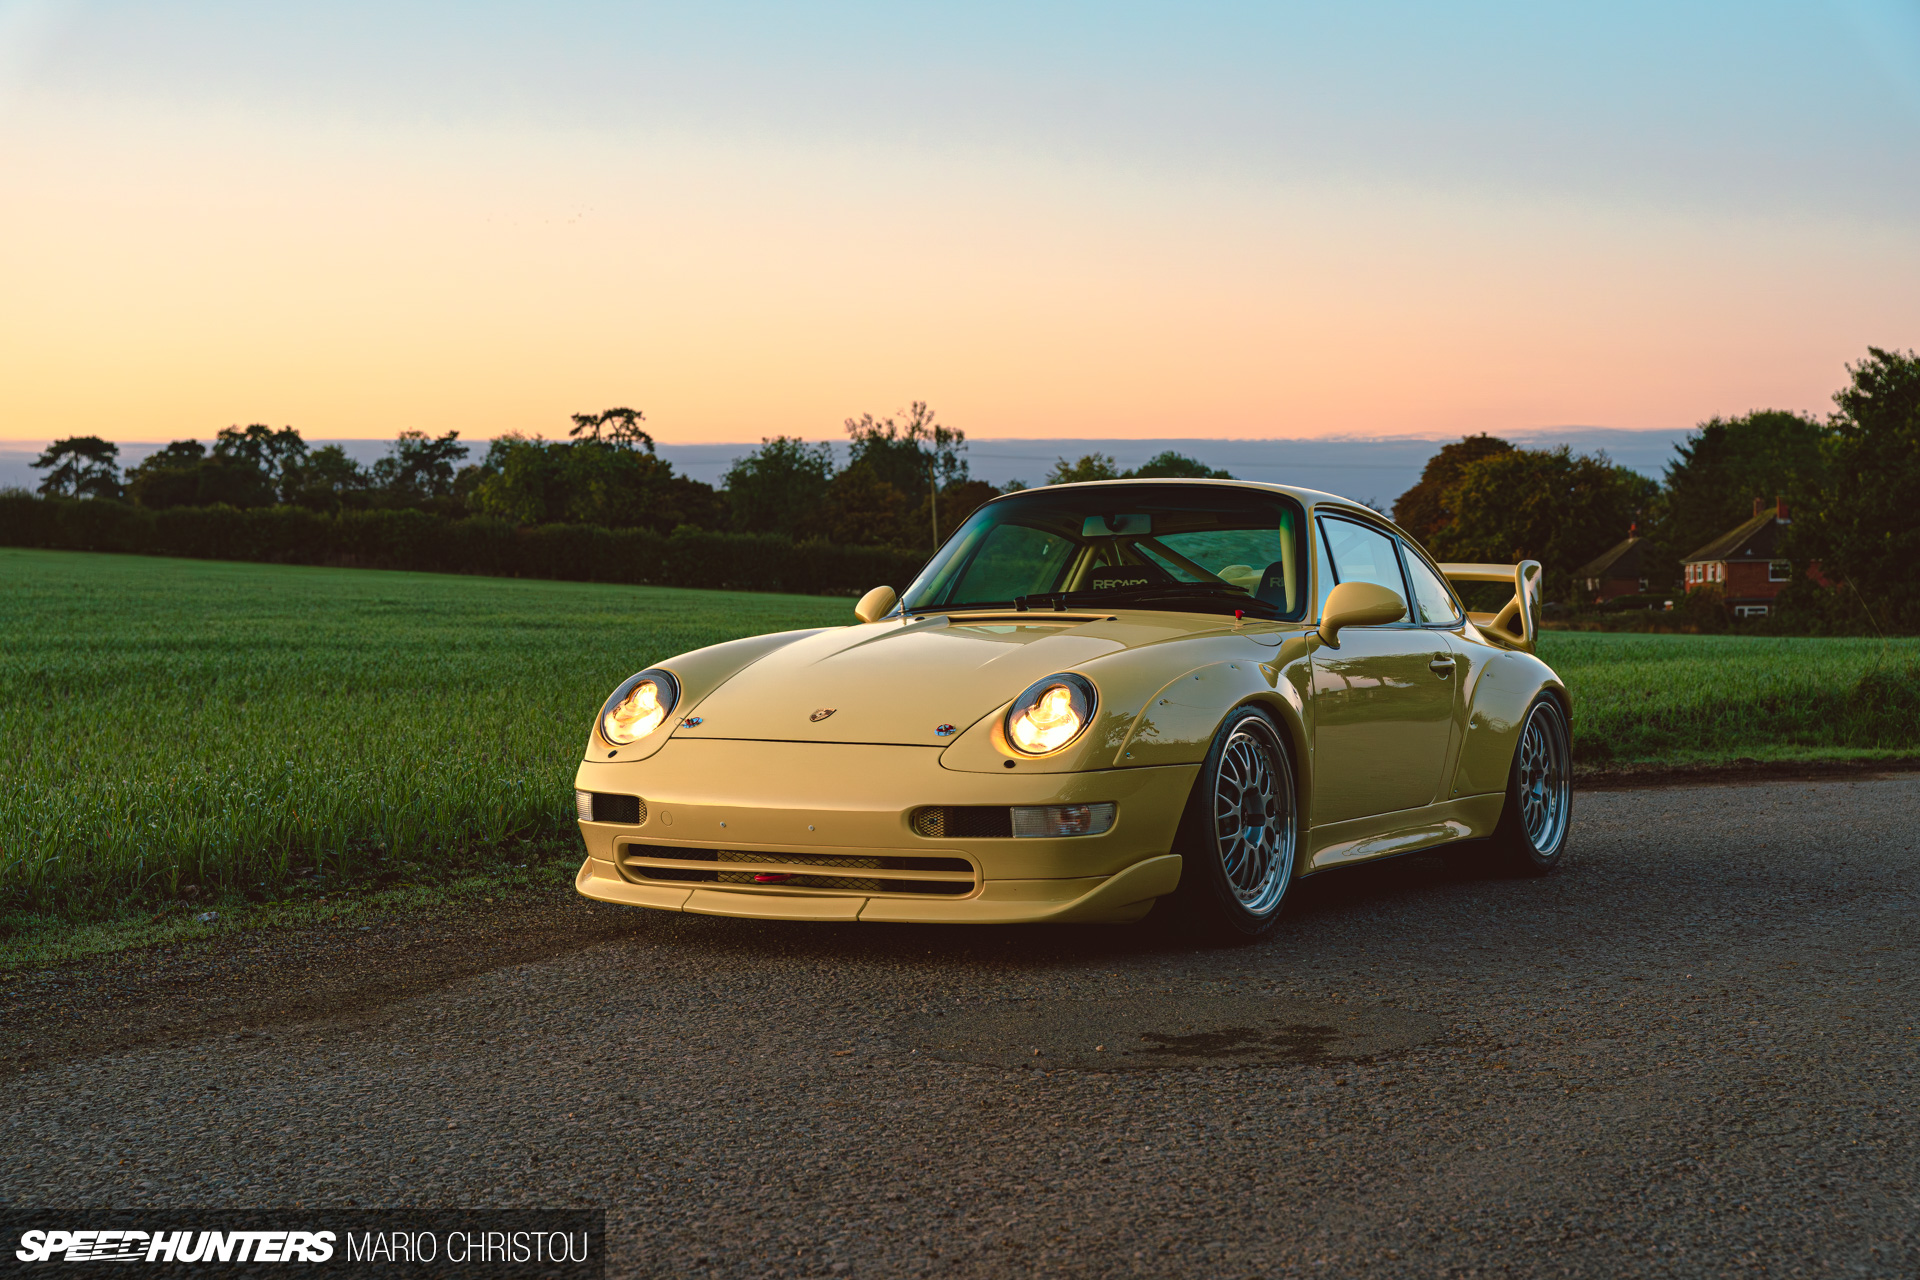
[{"x": 1517, "y": 625}]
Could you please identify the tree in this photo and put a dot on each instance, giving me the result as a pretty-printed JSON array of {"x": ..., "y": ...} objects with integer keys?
[
  {"x": 327, "y": 480},
  {"x": 1728, "y": 462},
  {"x": 893, "y": 468},
  {"x": 697, "y": 503},
  {"x": 519, "y": 481},
  {"x": 865, "y": 511},
  {"x": 912, "y": 456},
  {"x": 1422, "y": 510},
  {"x": 1550, "y": 505},
  {"x": 80, "y": 467},
  {"x": 1171, "y": 465},
  {"x": 168, "y": 477},
  {"x": 1092, "y": 466},
  {"x": 618, "y": 428},
  {"x": 1166, "y": 465},
  {"x": 567, "y": 482},
  {"x": 272, "y": 453},
  {"x": 1863, "y": 525},
  {"x": 184, "y": 474},
  {"x": 419, "y": 467},
  {"x": 781, "y": 487}
]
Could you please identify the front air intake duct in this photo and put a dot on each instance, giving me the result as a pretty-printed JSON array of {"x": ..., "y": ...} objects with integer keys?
[{"x": 600, "y": 806}]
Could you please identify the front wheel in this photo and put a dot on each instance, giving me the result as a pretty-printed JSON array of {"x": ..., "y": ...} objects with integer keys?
[
  {"x": 1532, "y": 833},
  {"x": 1240, "y": 834}
]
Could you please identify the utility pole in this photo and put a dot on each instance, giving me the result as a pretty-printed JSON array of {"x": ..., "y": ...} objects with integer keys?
[{"x": 933, "y": 501}]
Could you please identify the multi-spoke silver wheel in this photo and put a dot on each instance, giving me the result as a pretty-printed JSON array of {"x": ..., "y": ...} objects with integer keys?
[
  {"x": 1253, "y": 819},
  {"x": 1543, "y": 779}
]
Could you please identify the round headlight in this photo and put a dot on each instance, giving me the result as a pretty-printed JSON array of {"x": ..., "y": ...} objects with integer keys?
[
  {"x": 1050, "y": 714},
  {"x": 640, "y": 705}
]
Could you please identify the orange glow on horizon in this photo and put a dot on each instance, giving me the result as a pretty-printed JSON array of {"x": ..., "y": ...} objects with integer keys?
[{"x": 165, "y": 281}]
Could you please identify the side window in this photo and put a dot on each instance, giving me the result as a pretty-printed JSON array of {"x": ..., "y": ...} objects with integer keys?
[
  {"x": 1361, "y": 554},
  {"x": 1432, "y": 602}
]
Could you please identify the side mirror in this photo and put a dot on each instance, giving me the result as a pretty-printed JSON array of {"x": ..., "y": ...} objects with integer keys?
[
  {"x": 1358, "y": 604},
  {"x": 876, "y": 604}
]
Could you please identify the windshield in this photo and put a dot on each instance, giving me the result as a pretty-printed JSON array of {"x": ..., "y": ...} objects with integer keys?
[{"x": 1196, "y": 548}]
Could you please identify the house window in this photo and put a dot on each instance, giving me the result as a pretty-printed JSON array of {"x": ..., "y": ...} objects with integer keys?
[
  {"x": 1779, "y": 571},
  {"x": 1750, "y": 611}
]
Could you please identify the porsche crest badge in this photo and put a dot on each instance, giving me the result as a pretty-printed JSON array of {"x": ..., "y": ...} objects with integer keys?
[{"x": 821, "y": 714}]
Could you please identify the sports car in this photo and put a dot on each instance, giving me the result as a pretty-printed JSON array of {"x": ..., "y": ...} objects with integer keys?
[{"x": 1095, "y": 698}]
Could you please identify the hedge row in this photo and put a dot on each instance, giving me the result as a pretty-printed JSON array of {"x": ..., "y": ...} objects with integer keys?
[{"x": 420, "y": 541}]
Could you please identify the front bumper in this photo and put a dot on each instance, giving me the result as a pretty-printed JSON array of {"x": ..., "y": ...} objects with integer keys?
[{"x": 852, "y": 800}]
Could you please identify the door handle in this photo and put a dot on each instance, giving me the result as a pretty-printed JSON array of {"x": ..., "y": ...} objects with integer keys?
[{"x": 1442, "y": 665}]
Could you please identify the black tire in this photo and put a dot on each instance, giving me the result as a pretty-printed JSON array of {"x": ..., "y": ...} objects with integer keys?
[
  {"x": 1235, "y": 874},
  {"x": 1531, "y": 838}
]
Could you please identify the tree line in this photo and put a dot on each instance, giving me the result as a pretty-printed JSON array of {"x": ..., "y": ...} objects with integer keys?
[
  {"x": 905, "y": 479},
  {"x": 1851, "y": 480}
]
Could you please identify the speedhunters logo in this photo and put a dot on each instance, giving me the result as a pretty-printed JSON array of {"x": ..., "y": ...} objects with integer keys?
[
  {"x": 561, "y": 1243},
  {"x": 175, "y": 1246}
]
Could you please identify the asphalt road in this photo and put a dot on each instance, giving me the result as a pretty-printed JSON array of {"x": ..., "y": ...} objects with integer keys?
[{"x": 1691, "y": 1052}]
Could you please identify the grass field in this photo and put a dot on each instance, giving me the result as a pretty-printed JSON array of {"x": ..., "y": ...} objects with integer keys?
[
  {"x": 1685, "y": 699},
  {"x": 174, "y": 722},
  {"x": 166, "y": 723}
]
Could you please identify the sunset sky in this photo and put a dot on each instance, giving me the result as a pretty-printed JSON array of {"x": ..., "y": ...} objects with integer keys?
[{"x": 1193, "y": 220}]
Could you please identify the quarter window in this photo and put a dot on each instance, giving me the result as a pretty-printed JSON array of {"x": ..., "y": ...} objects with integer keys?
[{"x": 1433, "y": 603}]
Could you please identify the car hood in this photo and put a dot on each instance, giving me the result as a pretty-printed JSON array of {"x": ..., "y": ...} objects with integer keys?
[{"x": 898, "y": 682}]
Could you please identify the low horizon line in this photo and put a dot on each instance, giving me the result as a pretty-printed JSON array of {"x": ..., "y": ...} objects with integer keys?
[{"x": 43, "y": 441}]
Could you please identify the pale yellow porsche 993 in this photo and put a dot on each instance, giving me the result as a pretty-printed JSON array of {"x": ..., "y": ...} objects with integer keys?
[{"x": 1095, "y": 697}]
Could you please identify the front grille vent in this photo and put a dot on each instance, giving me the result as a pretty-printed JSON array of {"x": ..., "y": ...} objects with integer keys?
[
  {"x": 743, "y": 868},
  {"x": 601, "y": 806},
  {"x": 963, "y": 822}
]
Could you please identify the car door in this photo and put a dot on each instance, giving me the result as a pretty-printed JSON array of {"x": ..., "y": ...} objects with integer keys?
[
  {"x": 1439, "y": 611},
  {"x": 1383, "y": 700}
]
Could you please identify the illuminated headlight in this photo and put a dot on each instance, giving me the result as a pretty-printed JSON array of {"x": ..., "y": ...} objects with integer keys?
[
  {"x": 1062, "y": 820},
  {"x": 1050, "y": 714},
  {"x": 640, "y": 705}
]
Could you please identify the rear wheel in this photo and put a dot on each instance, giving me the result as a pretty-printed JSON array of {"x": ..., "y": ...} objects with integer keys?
[
  {"x": 1532, "y": 834},
  {"x": 1240, "y": 834}
]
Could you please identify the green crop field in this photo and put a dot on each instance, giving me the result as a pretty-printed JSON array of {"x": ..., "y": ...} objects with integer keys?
[
  {"x": 175, "y": 722},
  {"x": 1684, "y": 699}
]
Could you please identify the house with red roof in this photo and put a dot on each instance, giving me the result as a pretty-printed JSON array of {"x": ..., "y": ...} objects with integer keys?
[
  {"x": 1616, "y": 572},
  {"x": 1745, "y": 563}
]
